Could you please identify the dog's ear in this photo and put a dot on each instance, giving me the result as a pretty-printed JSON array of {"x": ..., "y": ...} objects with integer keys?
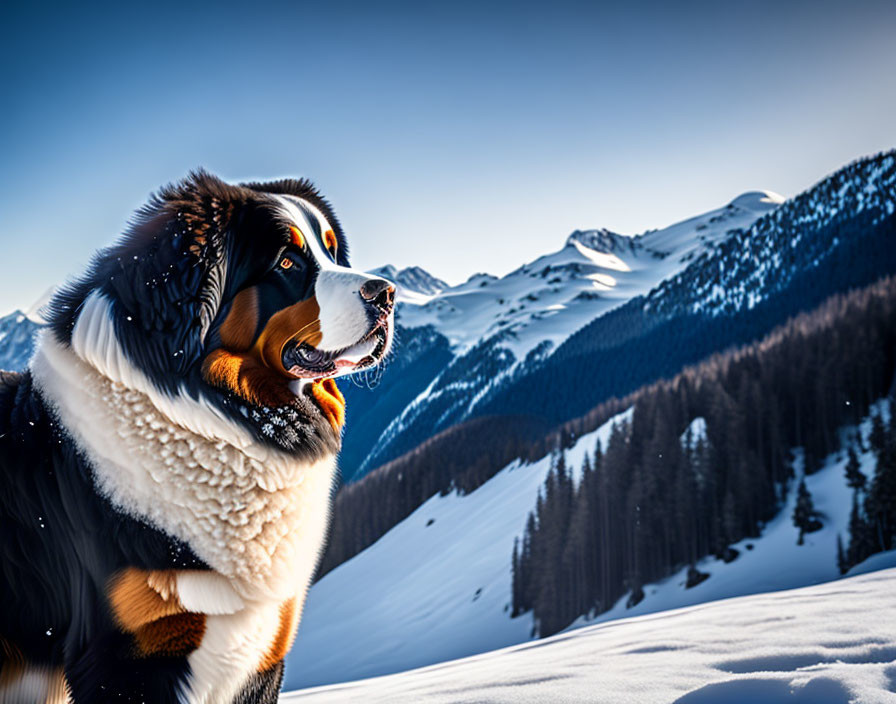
[
  {"x": 170, "y": 271},
  {"x": 202, "y": 210}
]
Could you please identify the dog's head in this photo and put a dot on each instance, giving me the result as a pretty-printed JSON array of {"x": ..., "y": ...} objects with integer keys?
[{"x": 239, "y": 300}]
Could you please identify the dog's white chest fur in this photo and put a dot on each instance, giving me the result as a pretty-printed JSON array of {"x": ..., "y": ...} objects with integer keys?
[{"x": 256, "y": 516}]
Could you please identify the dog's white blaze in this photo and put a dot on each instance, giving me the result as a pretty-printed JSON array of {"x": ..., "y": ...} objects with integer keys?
[
  {"x": 298, "y": 217},
  {"x": 343, "y": 315}
]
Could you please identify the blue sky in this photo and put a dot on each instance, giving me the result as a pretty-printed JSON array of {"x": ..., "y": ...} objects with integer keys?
[{"x": 462, "y": 137}]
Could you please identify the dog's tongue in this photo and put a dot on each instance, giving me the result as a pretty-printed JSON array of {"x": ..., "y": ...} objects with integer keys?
[{"x": 350, "y": 360}]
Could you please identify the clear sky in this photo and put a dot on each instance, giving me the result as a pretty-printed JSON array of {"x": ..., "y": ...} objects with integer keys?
[{"x": 458, "y": 136}]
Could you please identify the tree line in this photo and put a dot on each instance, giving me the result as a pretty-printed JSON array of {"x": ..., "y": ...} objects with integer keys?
[
  {"x": 872, "y": 521},
  {"x": 660, "y": 496}
]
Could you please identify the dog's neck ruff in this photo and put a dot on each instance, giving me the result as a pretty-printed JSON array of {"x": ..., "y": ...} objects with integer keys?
[{"x": 254, "y": 514}]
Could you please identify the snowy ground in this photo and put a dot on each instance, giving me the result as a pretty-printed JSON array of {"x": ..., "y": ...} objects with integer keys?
[
  {"x": 437, "y": 586},
  {"x": 827, "y": 644},
  {"x": 425, "y": 591}
]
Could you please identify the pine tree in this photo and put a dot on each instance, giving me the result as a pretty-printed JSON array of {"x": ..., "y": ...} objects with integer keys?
[
  {"x": 880, "y": 504},
  {"x": 804, "y": 515},
  {"x": 577, "y": 561},
  {"x": 860, "y": 541},
  {"x": 842, "y": 565},
  {"x": 878, "y": 433},
  {"x": 854, "y": 477}
]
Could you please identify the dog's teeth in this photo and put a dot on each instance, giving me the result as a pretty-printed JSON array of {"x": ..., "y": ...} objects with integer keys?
[{"x": 355, "y": 354}]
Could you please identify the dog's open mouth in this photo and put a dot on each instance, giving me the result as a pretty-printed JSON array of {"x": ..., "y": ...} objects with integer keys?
[{"x": 303, "y": 361}]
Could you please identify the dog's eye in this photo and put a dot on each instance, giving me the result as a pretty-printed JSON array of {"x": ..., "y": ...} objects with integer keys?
[
  {"x": 286, "y": 263},
  {"x": 331, "y": 242}
]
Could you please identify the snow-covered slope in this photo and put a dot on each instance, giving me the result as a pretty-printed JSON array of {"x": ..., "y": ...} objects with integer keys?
[
  {"x": 828, "y": 644},
  {"x": 755, "y": 262},
  {"x": 438, "y": 585},
  {"x": 435, "y": 587}
]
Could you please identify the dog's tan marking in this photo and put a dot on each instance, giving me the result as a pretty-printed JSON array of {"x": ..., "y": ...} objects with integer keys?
[
  {"x": 135, "y": 602},
  {"x": 170, "y": 636},
  {"x": 238, "y": 328},
  {"x": 246, "y": 377},
  {"x": 283, "y": 639},
  {"x": 298, "y": 239},
  {"x": 330, "y": 400},
  {"x": 331, "y": 242},
  {"x": 145, "y": 604}
]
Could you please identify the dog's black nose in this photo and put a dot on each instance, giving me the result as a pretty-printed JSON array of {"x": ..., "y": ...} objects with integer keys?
[{"x": 378, "y": 292}]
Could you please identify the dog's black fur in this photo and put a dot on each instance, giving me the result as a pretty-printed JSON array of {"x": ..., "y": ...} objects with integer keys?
[
  {"x": 61, "y": 542},
  {"x": 171, "y": 281}
]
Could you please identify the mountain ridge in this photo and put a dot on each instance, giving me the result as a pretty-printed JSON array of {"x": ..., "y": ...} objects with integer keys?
[
  {"x": 518, "y": 350},
  {"x": 411, "y": 280}
]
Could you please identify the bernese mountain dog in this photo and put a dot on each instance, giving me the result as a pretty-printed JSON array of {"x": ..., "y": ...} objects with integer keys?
[{"x": 169, "y": 454}]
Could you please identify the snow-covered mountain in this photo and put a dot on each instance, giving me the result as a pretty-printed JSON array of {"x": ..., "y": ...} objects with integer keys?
[
  {"x": 590, "y": 317},
  {"x": 438, "y": 585},
  {"x": 455, "y": 347},
  {"x": 827, "y": 644},
  {"x": 493, "y": 328},
  {"x": 17, "y": 331},
  {"x": 541, "y": 303},
  {"x": 753, "y": 263}
]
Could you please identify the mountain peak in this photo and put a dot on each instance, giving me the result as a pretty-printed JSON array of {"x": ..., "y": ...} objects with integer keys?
[
  {"x": 412, "y": 279},
  {"x": 601, "y": 240},
  {"x": 758, "y": 201}
]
